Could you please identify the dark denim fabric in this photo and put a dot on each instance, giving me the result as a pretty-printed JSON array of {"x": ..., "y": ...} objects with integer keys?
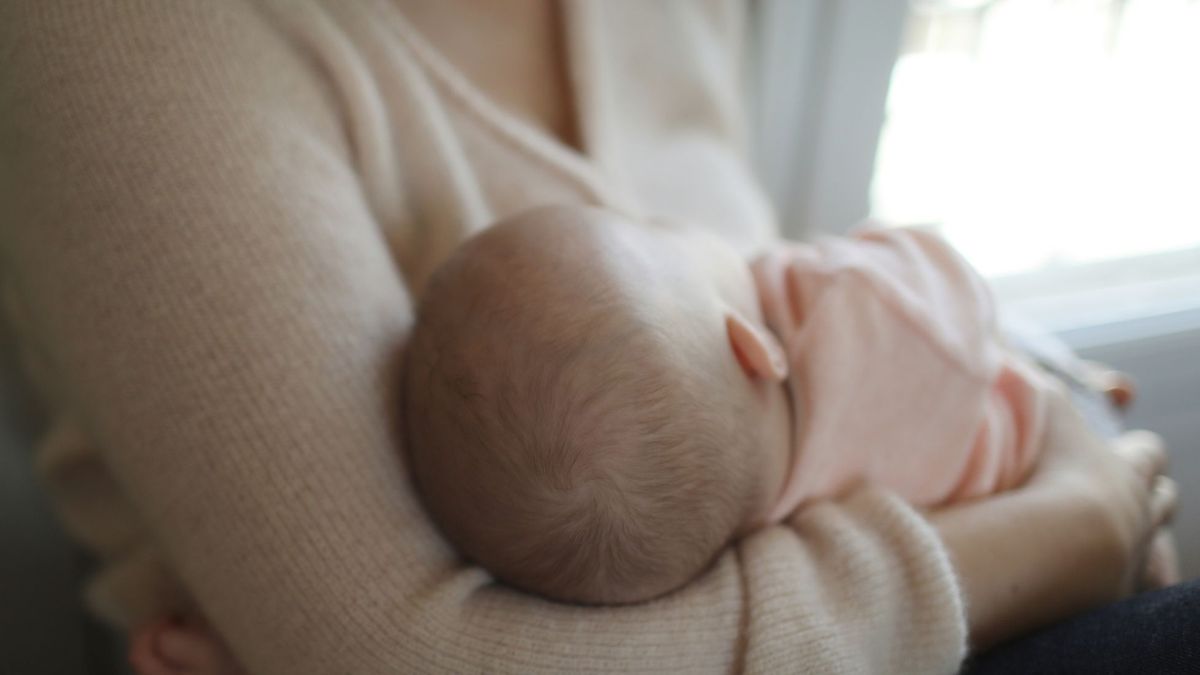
[{"x": 1155, "y": 632}]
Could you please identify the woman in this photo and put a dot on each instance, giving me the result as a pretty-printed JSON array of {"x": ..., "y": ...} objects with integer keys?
[{"x": 219, "y": 215}]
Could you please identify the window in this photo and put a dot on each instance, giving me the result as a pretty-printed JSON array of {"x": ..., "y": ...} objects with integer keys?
[{"x": 1056, "y": 143}]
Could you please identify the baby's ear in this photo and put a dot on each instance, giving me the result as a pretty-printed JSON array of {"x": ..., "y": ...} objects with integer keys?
[{"x": 756, "y": 348}]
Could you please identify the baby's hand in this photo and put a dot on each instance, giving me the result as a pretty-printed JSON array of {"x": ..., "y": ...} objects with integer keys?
[{"x": 173, "y": 646}]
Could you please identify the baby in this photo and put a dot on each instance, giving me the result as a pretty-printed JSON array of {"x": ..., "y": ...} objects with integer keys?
[{"x": 594, "y": 408}]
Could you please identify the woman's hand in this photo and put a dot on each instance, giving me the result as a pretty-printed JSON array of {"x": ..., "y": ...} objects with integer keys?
[
  {"x": 1122, "y": 481},
  {"x": 1074, "y": 537},
  {"x": 1162, "y": 562}
]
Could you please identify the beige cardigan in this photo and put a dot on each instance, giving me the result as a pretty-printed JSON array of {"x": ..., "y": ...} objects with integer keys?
[{"x": 215, "y": 215}]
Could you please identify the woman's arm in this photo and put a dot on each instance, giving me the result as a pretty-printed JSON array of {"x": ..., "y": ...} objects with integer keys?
[
  {"x": 1073, "y": 538},
  {"x": 186, "y": 226}
]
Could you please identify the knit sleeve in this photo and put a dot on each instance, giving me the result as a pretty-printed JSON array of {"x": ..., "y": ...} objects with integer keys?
[{"x": 184, "y": 223}]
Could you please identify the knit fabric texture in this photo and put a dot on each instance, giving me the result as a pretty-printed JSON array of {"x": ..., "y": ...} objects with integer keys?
[{"x": 215, "y": 218}]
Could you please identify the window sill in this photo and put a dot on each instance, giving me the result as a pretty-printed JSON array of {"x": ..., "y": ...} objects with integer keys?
[{"x": 1110, "y": 302}]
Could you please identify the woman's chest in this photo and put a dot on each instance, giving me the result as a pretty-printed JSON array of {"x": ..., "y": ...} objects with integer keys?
[{"x": 460, "y": 114}]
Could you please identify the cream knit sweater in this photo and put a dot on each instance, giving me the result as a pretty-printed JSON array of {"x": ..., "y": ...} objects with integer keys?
[{"x": 215, "y": 216}]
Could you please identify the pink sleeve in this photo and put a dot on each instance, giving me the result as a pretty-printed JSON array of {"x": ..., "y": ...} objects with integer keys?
[
  {"x": 943, "y": 296},
  {"x": 897, "y": 371},
  {"x": 931, "y": 287}
]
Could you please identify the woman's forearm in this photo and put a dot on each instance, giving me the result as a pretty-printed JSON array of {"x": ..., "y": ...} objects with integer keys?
[
  {"x": 1027, "y": 559},
  {"x": 1074, "y": 537}
]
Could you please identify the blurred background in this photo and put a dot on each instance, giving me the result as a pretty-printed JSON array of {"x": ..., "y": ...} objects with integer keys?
[{"x": 1056, "y": 143}]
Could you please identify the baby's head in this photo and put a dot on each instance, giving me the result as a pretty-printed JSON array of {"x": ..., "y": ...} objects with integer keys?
[{"x": 592, "y": 406}]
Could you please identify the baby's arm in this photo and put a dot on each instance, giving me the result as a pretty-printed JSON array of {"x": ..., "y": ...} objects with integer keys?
[{"x": 901, "y": 310}]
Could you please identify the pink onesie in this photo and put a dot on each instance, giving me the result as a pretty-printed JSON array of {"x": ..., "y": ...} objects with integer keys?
[{"x": 898, "y": 375}]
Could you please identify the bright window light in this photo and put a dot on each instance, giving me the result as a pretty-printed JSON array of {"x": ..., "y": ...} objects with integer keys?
[{"x": 1039, "y": 135}]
